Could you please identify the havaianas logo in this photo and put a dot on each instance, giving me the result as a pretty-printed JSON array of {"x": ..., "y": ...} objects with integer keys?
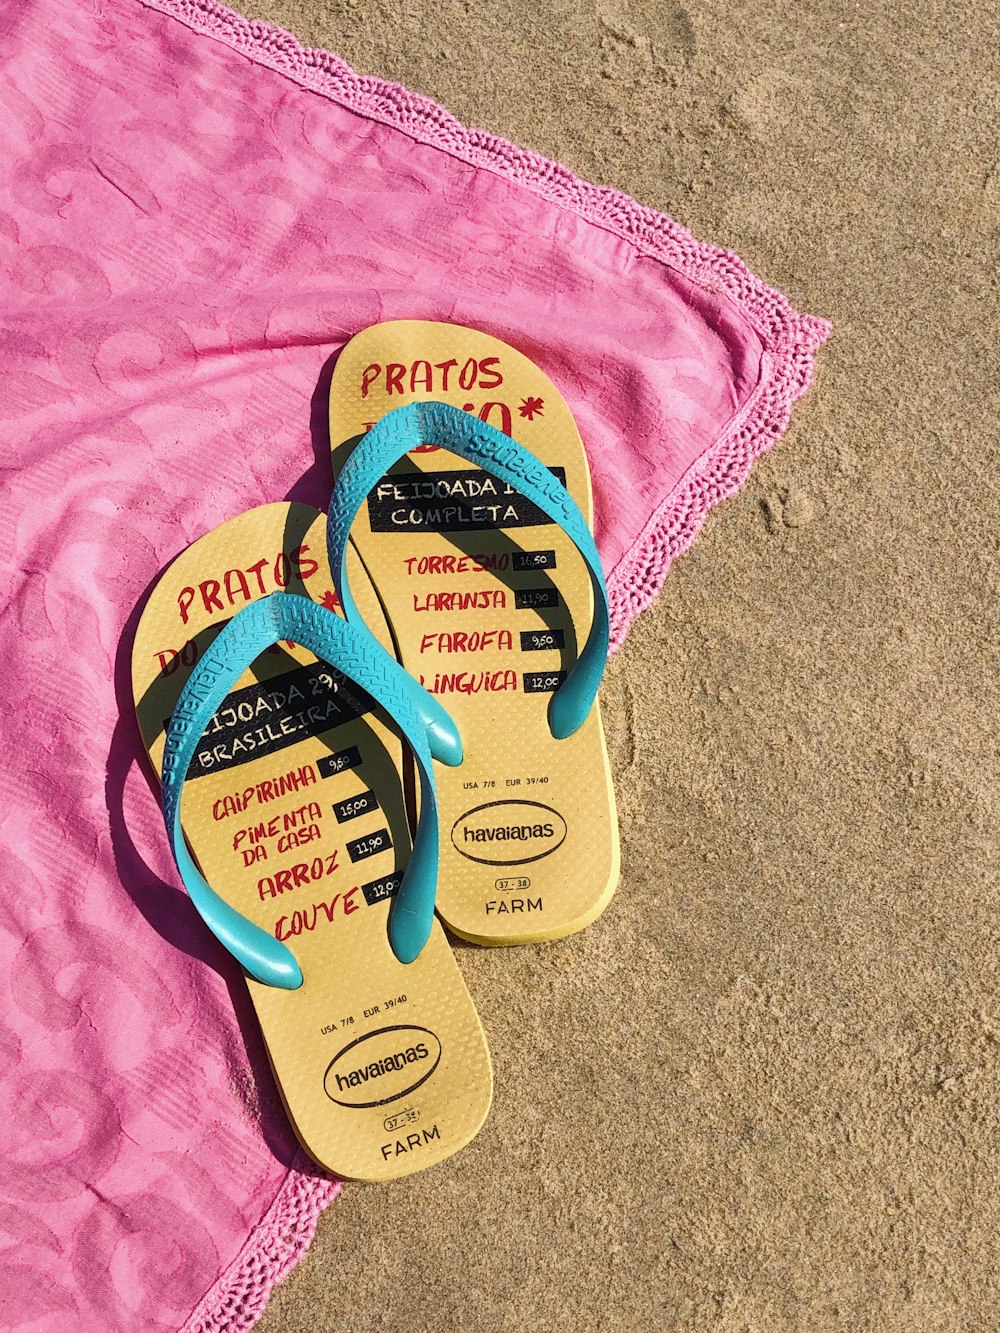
[
  {"x": 508, "y": 833},
  {"x": 382, "y": 1066}
]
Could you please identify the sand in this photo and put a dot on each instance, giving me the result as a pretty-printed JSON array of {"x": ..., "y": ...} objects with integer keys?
[{"x": 761, "y": 1094}]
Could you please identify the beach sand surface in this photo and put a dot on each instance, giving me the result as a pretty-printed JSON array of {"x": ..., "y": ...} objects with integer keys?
[{"x": 761, "y": 1094}]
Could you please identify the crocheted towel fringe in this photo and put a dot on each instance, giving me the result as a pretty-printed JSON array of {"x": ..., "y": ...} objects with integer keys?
[{"x": 274, "y": 1247}]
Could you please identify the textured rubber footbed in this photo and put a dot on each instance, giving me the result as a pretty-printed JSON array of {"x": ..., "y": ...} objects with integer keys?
[
  {"x": 294, "y": 809},
  {"x": 486, "y": 601}
]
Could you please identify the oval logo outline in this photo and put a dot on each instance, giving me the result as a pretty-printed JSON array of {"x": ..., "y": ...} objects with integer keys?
[
  {"x": 369, "y": 1036},
  {"x": 521, "y": 861}
]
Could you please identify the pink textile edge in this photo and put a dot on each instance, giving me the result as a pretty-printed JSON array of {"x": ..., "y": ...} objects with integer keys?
[
  {"x": 718, "y": 473},
  {"x": 791, "y": 338},
  {"x": 239, "y": 1296}
]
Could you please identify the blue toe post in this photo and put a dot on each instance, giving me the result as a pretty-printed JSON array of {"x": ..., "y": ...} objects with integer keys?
[
  {"x": 290, "y": 617},
  {"x": 389, "y": 440}
]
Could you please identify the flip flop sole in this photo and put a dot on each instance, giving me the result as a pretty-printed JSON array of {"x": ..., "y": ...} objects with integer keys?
[
  {"x": 488, "y": 602},
  {"x": 294, "y": 809}
]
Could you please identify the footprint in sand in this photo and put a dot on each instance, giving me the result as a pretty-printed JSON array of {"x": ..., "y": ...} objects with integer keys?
[
  {"x": 788, "y": 507},
  {"x": 628, "y": 54}
]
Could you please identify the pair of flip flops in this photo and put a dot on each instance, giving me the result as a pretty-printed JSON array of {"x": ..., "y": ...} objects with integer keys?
[{"x": 362, "y": 719}]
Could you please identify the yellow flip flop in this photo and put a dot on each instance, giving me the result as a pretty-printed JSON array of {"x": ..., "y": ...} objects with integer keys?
[
  {"x": 276, "y": 732},
  {"x": 463, "y": 486}
]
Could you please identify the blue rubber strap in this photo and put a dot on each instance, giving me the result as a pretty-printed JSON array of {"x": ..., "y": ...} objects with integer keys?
[
  {"x": 404, "y": 429},
  {"x": 286, "y": 616}
]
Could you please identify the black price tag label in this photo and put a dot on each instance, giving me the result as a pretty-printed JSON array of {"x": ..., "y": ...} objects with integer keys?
[
  {"x": 543, "y": 682},
  {"x": 538, "y": 640},
  {"x": 332, "y": 764},
  {"x": 522, "y": 560},
  {"x": 371, "y": 845},
  {"x": 377, "y": 890},
  {"x": 530, "y": 599},
  {"x": 352, "y": 807}
]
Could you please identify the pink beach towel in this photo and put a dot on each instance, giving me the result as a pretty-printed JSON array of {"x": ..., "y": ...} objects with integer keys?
[{"x": 195, "y": 215}]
